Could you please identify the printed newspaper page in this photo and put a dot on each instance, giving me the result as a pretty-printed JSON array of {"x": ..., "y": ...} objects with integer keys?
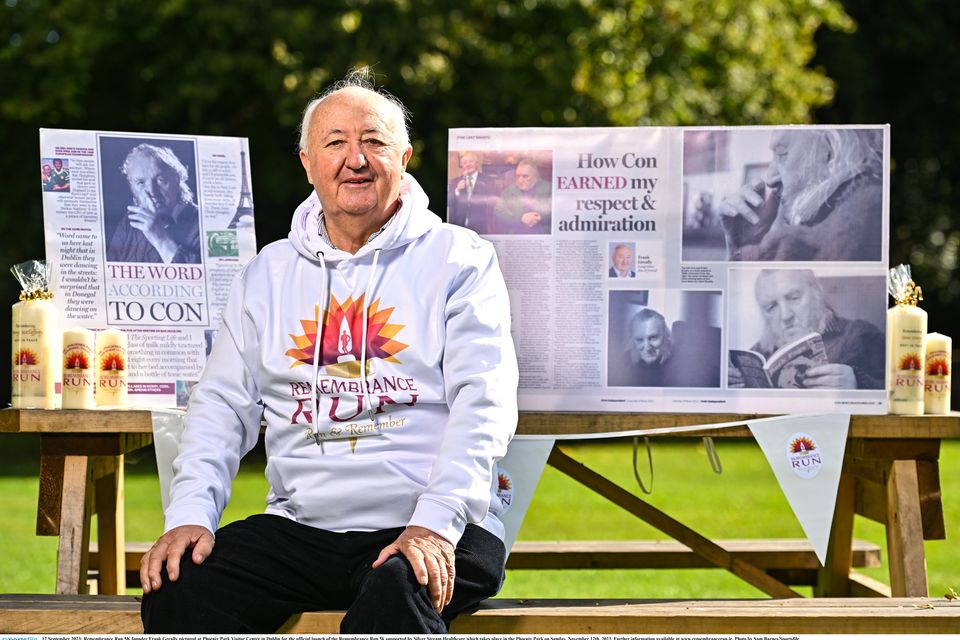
[
  {"x": 639, "y": 259},
  {"x": 145, "y": 233}
]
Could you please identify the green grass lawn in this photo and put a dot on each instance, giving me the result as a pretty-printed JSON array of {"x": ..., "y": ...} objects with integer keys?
[{"x": 742, "y": 502}]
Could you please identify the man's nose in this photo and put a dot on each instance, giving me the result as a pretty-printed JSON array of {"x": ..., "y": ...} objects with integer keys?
[
  {"x": 772, "y": 174},
  {"x": 355, "y": 158}
]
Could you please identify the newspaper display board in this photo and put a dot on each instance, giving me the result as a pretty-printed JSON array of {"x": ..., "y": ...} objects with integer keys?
[
  {"x": 145, "y": 233},
  {"x": 645, "y": 264}
]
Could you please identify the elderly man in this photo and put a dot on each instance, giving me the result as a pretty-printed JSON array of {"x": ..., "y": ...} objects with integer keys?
[
  {"x": 622, "y": 262},
  {"x": 524, "y": 207},
  {"x": 162, "y": 224},
  {"x": 471, "y": 196},
  {"x": 381, "y": 448},
  {"x": 820, "y": 199},
  {"x": 792, "y": 304}
]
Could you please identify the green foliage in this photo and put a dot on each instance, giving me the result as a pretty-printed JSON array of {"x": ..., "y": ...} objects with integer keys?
[{"x": 902, "y": 66}]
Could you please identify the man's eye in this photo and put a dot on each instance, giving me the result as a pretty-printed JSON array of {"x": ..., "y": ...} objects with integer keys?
[
  {"x": 374, "y": 142},
  {"x": 335, "y": 143}
]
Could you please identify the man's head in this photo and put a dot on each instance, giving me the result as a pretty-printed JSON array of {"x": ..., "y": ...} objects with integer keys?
[
  {"x": 809, "y": 165},
  {"x": 469, "y": 162},
  {"x": 354, "y": 148},
  {"x": 46, "y": 169},
  {"x": 526, "y": 175},
  {"x": 57, "y": 164},
  {"x": 792, "y": 304},
  {"x": 157, "y": 178},
  {"x": 650, "y": 338},
  {"x": 623, "y": 259}
]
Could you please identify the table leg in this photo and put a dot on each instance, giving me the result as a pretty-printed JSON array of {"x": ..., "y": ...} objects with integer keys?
[
  {"x": 75, "y": 508},
  {"x": 905, "y": 552},
  {"x": 108, "y": 488}
]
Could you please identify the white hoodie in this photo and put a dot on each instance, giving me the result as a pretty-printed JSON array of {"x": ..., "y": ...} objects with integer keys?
[{"x": 421, "y": 447}]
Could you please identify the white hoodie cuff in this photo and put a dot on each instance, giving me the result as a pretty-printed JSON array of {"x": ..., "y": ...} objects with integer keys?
[
  {"x": 439, "y": 519},
  {"x": 181, "y": 516}
]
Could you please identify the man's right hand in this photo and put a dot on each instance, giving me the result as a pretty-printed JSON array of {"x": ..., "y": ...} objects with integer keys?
[{"x": 170, "y": 549}]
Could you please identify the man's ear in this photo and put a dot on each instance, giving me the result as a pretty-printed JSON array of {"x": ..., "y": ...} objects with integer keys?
[
  {"x": 305, "y": 161},
  {"x": 407, "y": 154}
]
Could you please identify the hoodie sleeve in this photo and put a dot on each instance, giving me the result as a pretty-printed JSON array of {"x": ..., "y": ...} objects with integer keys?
[
  {"x": 480, "y": 379},
  {"x": 222, "y": 422}
]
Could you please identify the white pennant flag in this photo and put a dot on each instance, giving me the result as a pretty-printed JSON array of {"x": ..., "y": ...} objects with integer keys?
[
  {"x": 806, "y": 455},
  {"x": 520, "y": 472}
]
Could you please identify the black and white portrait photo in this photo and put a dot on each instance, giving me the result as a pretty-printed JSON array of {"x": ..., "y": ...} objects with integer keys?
[
  {"x": 806, "y": 329},
  {"x": 784, "y": 194},
  {"x": 664, "y": 338},
  {"x": 151, "y": 213}
]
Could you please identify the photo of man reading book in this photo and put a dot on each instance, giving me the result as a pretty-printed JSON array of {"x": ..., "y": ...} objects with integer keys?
[{"x": 804, "y": 344}]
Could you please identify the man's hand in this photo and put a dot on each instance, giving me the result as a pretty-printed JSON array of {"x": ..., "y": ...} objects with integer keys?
[
  {"x": 170, "y": 549},
  {"x": 530, "y": 218},
  {"x": 830, "y": 376},
  {"x": 153, "y": 226},
  {"x": 432, "y": 559}
]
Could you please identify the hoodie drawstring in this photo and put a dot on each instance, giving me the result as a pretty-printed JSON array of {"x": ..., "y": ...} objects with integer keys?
[
  {"x": 363, "y": 340},
  {"x": 321, "y": 313}
]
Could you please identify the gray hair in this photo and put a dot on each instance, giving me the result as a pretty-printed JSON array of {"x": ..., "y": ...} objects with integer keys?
[
  {"x": 852, "y": 153},
  {"x": 167, "y": 157},
  {"x": 360, "y": 78}
]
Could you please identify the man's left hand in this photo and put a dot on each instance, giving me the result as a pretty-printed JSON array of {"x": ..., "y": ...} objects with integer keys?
[
  {"x": 830, "y": 376},
  {"x": 432, "y": 559},
  {"x": 530, "y": 218}
]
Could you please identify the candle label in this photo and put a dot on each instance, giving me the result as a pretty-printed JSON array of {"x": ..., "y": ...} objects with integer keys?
[
  {"x": 77, "y": 366},
  {"x": 27, "y": 374},
  {"x": 938, "y": 372},
  {"x": 113, "y": 367}
]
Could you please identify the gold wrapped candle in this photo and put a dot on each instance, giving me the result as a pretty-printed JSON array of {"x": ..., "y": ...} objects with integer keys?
[
  {"x": 35, "y": 337},
  {"x": 906, "y": 330},
  {"x": 939, "y": 352}
]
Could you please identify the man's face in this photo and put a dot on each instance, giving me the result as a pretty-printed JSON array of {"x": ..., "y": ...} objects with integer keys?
[
  {"x": 798, "y": 158},
  {"x": 469, "y": 163},
  {"x": 648, "y": 340},
  {"x": 623, "y": 259},
  {"x": 47, "y": 170},
  {"x": 526, "y": 177},
  {"x": 154, "y": 185},
  {"x": 788, "y": 304},
  {"x": 57, "y": 164},
  {"x": 355, "y": 158}
]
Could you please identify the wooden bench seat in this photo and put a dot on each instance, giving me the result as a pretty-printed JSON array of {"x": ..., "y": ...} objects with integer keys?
[
  {"x": 792, "y": 561},
  {"x": 44, "y": 614}
]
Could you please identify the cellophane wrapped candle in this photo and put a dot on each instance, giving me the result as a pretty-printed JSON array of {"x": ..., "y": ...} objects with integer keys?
[
  {"x": 35, "y": 334},
  {"x": 906, "y": 330}
]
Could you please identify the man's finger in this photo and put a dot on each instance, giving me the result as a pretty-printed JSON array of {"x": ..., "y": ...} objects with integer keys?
[
  {"x": 385, "y": 553},
  {"x": 203, "y": 548}
]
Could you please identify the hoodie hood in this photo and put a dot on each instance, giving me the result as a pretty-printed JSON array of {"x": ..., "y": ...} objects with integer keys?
[{"x": 412, "y": 220}]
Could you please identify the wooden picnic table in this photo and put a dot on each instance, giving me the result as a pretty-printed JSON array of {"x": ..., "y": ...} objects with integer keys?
[{"x": 890, "y": 474}]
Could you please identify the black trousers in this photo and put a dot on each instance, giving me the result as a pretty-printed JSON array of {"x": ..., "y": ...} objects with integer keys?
[{"x": 266, "y": 568}]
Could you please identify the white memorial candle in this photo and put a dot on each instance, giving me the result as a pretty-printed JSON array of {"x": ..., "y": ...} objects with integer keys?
[
  {"x": 36, "y": 354},
  {"x": 939, "y": 350},
  {"x": 78, "y": 367},
  {"x": 111, "y": 368},
  {"x": 906, "y": 329}
]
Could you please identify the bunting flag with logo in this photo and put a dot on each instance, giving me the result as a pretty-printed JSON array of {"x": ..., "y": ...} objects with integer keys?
[
  {"x": 520, "y": 472},
  {"x": 806, "y": 455}
]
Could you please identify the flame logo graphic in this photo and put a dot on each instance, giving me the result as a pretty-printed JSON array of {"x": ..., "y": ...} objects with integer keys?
[
  {"x": 938, "y": 367},
  {"x": 340, "y": 336},
  {"x": 76, "y": 360},
  {"x": 25, "y": 356},
  {"x": 112, "y": 362},
  {"x": 910, "y": 362},
  {"x": 503, "y": 482},
  {"x": 802, "y": 445}
]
